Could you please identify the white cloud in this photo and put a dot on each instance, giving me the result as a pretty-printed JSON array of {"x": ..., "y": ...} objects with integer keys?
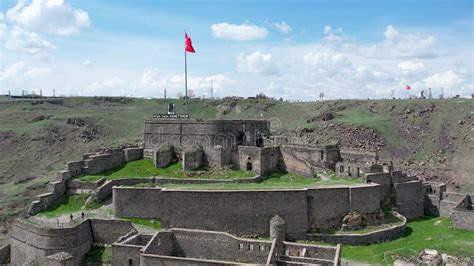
[
  {"x": 331, "y": 35},
  {"x": 238, "y": 32},
  {"x": 391, "y": 34},
  {"x": 108, "y": 87},
  {"x": 326, "y": 59},
  {"x": 283, "y": 26},
  {"x": 154, "y": 82},
  {"x": 256, "y": 63},
  {"x": 20, "y": 73},
  {"x": 52, "y": 16},
  {"x": 87, "y": 63},
  {"x": 411, "y": 66},
  {"x": 448, "y": 79},
  {"x": 24, "y": 41},
  {"x": 401, "y": 45},
  {"x": 1, "y": 16}
]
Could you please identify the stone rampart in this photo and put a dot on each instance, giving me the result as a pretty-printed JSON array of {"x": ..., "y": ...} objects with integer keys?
[
  {"x": 5, "y": 254},
  {"x": 393, "y": 232},
  {"x": 409, "y": 199},
  {"x": 246, "y": 212},
  {"x": 107, "y": 231},
  {"x": 30, "y": 242}
]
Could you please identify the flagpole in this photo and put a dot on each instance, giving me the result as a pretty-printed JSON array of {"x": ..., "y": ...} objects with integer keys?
[{"x": 185, "y": 80}]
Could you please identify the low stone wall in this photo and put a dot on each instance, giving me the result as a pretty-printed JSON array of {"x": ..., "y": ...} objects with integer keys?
[
  {"x": 391, "y": 233},
  {"x": 5, "y": 254},
  {"x": 76, "y": 184}
]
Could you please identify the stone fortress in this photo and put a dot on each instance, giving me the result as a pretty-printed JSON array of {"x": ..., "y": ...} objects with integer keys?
[{"x": 210, "y": 227}]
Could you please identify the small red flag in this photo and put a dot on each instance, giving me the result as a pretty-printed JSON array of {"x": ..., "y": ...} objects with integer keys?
[
  {"x": 408, "y": 87},
  {"x": 188, "y": 45}
]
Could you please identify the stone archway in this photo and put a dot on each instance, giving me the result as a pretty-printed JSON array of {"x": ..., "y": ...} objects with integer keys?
[{"x": 249, "y": 166}]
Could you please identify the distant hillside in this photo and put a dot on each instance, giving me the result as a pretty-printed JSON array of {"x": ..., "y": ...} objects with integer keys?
[{"x": 37, "y": 137}]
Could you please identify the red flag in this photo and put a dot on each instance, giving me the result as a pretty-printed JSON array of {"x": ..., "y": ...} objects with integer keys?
[
  {"x": 408, "y": 87},
  {"x": 188, "y": 45}
]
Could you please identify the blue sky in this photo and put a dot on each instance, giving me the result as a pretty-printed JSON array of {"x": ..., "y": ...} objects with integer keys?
[{"x": 289, "y": 49}]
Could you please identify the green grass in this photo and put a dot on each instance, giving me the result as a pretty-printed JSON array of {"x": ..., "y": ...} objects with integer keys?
[
  {"x": 70, "y": 204},
  {"x": 146, "y": 168},
  {"x": 99, "y": 254},
  {"x": 426, "y": 233},
  {"x": 152, "y": 223},
  {"x": 275, "y": 181}
]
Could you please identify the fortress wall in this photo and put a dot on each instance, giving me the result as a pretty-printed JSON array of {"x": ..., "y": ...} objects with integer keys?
[
  {"x": 409, "y": 199},
  {"x": 249, "y": 154},
  {"x": 106, "y": 231},
  {"x": 463, "y": 219},
  {"x": 4, "y": 254},
  {"x": 385, "y": 234},
  {"x": 133, "y": 154},
  {"x": 220, "y": 246},
  {"x": 47, "y": 199},
  {"x": 327, "y": 207},
  {"x": 105, "y": 190},
  {"x": 102, "y": 162},
  {"x": 270, "y": 158},
  {"x": 75, "y": 167},
  {"x": 312, "y": 251},
  {"x": 365, "y": 198},
  {"x": 122, "y": 253},
  {"x": 242, "y": 212},
  {"x": 137, "y": 202},
  {"x": 300, "y": 159},
  {"x": 246, "y": 212},
  {"x": 357, "y": 155},
  {"x": 384, "y": 180},
  {"x": 29, "y": 242}
]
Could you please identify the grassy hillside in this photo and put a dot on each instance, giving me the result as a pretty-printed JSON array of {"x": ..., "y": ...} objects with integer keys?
[{"x": 37, "y": 138}]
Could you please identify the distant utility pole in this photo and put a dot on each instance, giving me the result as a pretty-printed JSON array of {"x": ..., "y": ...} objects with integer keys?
[
  {"x": 430, "y": 94},
  {"x": 211, "y": 95},
  {"x": 393, "y": 94},
  {"x": 165, "y": 93},
  {"x": 41, "y": 92},
  {"x": 441, "y": 96},
  {"x": 54, "y": 93}
]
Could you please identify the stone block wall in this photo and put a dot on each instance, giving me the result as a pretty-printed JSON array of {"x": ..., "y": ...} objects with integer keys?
[
  {"x": 107, "y": 231},
  {"x": 133, "y": 154},
  {"x": 193, "y": 158},
  {"x": 5, "y": 254},
  {"x": 358, "y": 155},
  {"x": 102, "y": 162},
  {"x": 365, "y": 198},
  {"x": 246, "y": 212},
  {"x": 448, "y": 202},
  {"x": 163, "y": 156},
  {"x": 219, "y": 246},
  {"x": 127, "y": 252},
  {"x": 327, "y": 207},
  {"x": 463, "y": 214},
  {"x": 29, "y": 242},
  {"x": 137, "y": 202},
  {"x": 239, "y": 212},
  {"x": 301, "y": 160},
  {"x": 409, "y": 199}
]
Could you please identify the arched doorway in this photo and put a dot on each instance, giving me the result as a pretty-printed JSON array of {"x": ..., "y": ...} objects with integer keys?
[{"x": 249, "y": 166}]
